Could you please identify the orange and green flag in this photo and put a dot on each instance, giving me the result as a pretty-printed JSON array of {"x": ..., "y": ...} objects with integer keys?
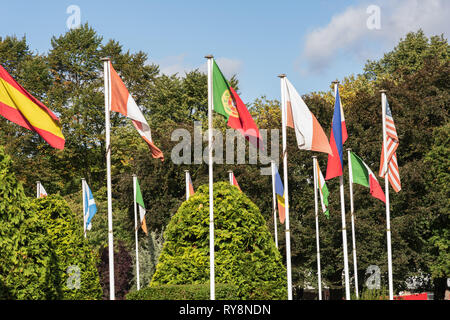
[
  {"x": 20, "y": 107},
  {"x": 228, "y": 103}
]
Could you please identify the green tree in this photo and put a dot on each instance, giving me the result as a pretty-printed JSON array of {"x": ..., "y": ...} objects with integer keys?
[
  {"x": 245, "y": 254},
  {"x": 438, "y": 186},
  {"x": 72, "y": 251},
  {"x": 27, "y": 258}
]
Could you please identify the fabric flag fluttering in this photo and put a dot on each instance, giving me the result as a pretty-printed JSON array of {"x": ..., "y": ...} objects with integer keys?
[
  {"x": 361, "y": 174},
  {"x": 391, "y": 154},
  {"x": 279, "y": 189},
  {"x": 90, "y": 208},
  {"x": 41, "y": 193},
  {"x": 335, "y": 167},
  {"x": 317, "y": 186},
  {"x": 189, "y": 186},
  {"x": 20, "y": 107},
  {"x": 309, "y": 133},
  {"x": 323, "y": 191},
  {"x": 123, "y": 102},
  {"x": 233, "y": 181},
  {"x": 338, "y": 137},
  {"x": 228, "y": 103},
  {"x": 141, "y": 207}
]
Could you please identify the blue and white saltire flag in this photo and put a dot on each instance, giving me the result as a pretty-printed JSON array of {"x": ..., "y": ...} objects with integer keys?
[{"x": 90, "y": 208}]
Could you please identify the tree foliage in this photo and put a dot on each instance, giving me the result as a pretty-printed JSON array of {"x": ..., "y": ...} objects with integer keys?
[
  {"x": 245, "y": 254},
  {"x": 69, "y": 80}
]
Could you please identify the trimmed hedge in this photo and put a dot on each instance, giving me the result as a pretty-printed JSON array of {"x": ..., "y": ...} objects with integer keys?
[
  {"x": 245, "y": 253},
  {"x": 184, "y": 292}
]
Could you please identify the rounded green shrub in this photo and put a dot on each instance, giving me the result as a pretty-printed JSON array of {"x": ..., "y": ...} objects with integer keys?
[
  {"x": 76, "y": 262},
  {"x": 245, "y": 254},
  {"x": 26, "y": 256}
]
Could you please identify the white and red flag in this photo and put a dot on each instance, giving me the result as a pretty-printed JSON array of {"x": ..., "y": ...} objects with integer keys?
[{"x": 391, "y": 154}]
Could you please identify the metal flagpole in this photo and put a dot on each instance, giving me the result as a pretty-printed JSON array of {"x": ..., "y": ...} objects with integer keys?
[
  {"x": 187, "y": 184},
  {"x": 211, "y": 198},
  {"x": 286, "y": 194},
  {"x": 230, "y": 175},
  {"x": 106, "y": 74},
  {"x": 355, "y": 266},
  {"x": 38, "y": 191},
  {"x": 136, "y": 233},
  {"x": 274, "y": 204},
  {"x": 386, "y": 191},
  {"x": 319, "y": 276},
  {"x": 344, "y": 231},
  {"x": 83, "y": 191}
]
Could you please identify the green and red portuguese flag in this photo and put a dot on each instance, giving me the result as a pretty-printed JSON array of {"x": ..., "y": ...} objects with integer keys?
[
  {"x": 361, "y": 174},
  {"x": 229, "y": 104}
]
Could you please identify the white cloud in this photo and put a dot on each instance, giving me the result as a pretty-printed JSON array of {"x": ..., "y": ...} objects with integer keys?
[
  {"x": 178, "y": 65},
  {"x": 347, "y": 32}
]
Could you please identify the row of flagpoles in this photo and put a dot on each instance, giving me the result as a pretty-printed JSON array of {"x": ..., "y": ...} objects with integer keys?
[{"x": 223, "y": 99}]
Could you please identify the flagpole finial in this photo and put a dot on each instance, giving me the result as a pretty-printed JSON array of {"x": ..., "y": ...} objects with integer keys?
[
  {"x": 314, "y": 157},
  {"x": 134, "y": 175},
  {"x": 335, "y": 82},
  {"x": 230, "y": 171},
  {"x": 349, "y": 149},
  {"x": 283, "y": 75},
  {"x": 186, "y": 170},
  {"x": 105, "y": 59},
  {"x": 383, "y": 91},
  {"x": 209, "y": 56}
]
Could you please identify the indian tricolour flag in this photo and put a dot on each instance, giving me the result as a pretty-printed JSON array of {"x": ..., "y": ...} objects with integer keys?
[
  {"x": 141, "y": 206},
  {"x": 323, "y": 191},
  {"x": 361, "y": 174}
]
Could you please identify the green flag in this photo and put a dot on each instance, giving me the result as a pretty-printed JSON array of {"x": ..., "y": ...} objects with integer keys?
[{"x": 141, "y": 206}]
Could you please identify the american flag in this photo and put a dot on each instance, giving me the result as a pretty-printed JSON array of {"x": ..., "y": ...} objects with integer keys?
[{"x": 392, "y": 145}]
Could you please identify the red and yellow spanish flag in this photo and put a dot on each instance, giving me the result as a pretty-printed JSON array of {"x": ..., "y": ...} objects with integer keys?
[{"x": 20, "y": 107}]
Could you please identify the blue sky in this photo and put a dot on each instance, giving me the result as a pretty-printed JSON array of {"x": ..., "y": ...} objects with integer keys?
[{"x": 313, "y": 42}]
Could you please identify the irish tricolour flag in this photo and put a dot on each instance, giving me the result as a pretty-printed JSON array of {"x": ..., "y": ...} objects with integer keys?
[
  {"x": 361, "y": 174},
  {"x": 323, "y": 191},
  {"x": 141, "y": 206}
]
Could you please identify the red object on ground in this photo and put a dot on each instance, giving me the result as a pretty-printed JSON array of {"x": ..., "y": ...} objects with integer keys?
[{"x": 419, "y": 296}]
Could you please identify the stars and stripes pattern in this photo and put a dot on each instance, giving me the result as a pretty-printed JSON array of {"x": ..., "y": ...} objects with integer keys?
[{"x": 392, "y": 145}]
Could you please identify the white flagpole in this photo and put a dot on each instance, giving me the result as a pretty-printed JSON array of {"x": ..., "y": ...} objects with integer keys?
[
  {"x": 274, "y": 204},
  {"x": 286, "y": 194},
  {"x": 38, "y": 189},
  {"x": 344, "y": 231},
  {"x": 106, "y": 74},
  {"x": 230, "y": 175},
  {"x": 350, "y": 176},
  {"x": 83, "y": 191},
  {"x": 211, "y": 198},
  {"x": 386, "y": 191},
  {"x": 319, "y": 276},
  {"x": 136, "y": 233},
  {"x": 187, "y": 184}
]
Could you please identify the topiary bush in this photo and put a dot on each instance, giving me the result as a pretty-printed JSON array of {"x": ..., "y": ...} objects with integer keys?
[
  {"x": 39, "y": 240},
  {"x": 27, "y": 258},
  {"x": 76, "y": 263},
  {"x": 245, "y": 254},
  {"x": 185, "y": 292}
]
